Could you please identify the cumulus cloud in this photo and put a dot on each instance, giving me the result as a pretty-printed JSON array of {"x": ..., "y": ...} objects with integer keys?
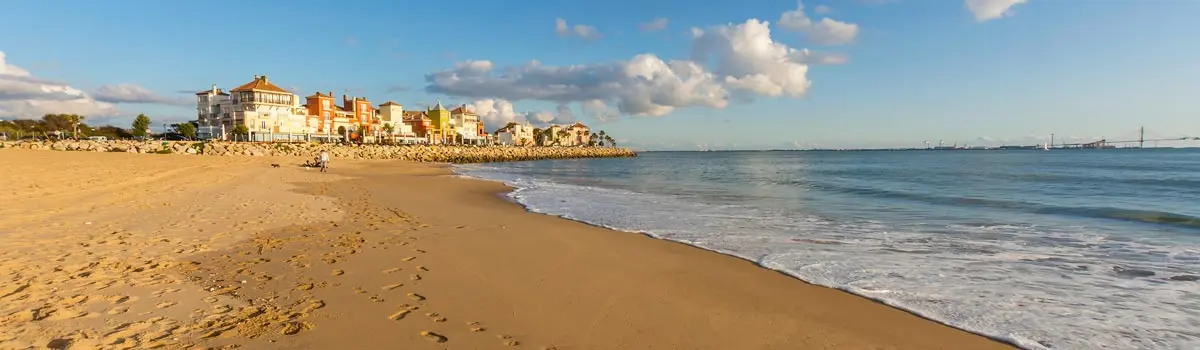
[
  {"x": 644, "y": 85},
  {"x": 824, "y": 32},
  {"x": 746, "y": 63},
  {"x": 750, "y": 61},
  {"x": 24, "y": 96},
  {"x": 986, "y": 10},
  {"x": 583, "y": 31},
  {"x": 497, "y": 113},
  {"x": 131, "y": 93},
  {"x": 656, "y": 24},
  {"x": 599, "y": 111}
]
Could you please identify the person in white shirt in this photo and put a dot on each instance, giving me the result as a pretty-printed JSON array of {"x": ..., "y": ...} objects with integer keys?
[{"x": 324, "y": 159}]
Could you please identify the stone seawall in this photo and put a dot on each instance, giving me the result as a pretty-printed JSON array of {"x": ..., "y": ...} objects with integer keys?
[{"x": 447, "y": 154}]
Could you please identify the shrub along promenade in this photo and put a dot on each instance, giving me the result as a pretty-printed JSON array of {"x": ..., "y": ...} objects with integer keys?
[{"x": 423, "y": 153}]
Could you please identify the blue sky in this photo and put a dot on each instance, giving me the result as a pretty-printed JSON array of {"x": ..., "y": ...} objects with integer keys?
[{"x": 973, "y": 71}]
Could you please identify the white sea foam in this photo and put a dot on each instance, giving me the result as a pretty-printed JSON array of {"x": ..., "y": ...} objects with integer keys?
[{"x": 1036, "y": 287}]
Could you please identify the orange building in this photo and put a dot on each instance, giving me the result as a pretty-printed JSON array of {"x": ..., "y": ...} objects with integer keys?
[
  {"x": 362, "y": 112},
  {"x": 420, "y": 123},
  {"x": 321, "y": 112}
]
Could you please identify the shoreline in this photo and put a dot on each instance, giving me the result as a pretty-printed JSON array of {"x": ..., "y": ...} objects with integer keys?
[
  {"x": 506, "y": 198},
  {"x": 407, "y": 253}
]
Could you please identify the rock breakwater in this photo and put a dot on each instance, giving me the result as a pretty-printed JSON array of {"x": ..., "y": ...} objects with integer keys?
[{"x": 441, "y": 154}]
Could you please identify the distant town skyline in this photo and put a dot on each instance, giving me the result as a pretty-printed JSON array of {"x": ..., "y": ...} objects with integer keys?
[{"x": 726, "y": 75}]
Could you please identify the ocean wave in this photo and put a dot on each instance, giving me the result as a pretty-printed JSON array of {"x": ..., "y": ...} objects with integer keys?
[{"x": 1035, "y": 287}]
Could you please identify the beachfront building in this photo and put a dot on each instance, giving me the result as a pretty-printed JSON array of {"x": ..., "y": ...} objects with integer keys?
[
  {"x": 580, "y": 135},
  {"x": 269, "y": 112},
  {"x": 391, "y": 113},
  {"x": 466, "y": 126},
  {"x": 420, "y": 124},
  {"x": 321, "y": 113},
  {"x": 515, "y": 134},
  {"x": 213, "y": 108},
  {"x": 441, "y": 131}
]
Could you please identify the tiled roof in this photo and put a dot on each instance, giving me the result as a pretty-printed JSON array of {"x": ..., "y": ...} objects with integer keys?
[
  {"x": 205, "y": 92},
  {"x": 260, "y": 83},
  {"x": 319, "y": 94},
  {"x": 389, "y": 103}
]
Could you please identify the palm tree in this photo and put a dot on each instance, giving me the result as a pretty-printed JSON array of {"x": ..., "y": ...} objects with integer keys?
[
  {"x": 592, "y": 139},
  {"x": 602, "y": 137},
  {"x": 610, "y": 140},
  {"x": 562, "y": 134},
  {"x": 75, "y": 120}
]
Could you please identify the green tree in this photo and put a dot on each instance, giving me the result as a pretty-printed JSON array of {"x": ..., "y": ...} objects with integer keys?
[
  {"x": 592, "y": 139},
  {"x": 342, "y": 130},
  {"x": 562, "y": 135},
  {"x": 537, "y": 136},
  {"x": 241, "y": 129},
  {"x": 187, "y": 129},
  {"x": 141, "y": 125}
]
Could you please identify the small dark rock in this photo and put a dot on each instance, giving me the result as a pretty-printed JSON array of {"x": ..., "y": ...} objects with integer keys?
[
  {"x": 1187, "y": 278},
  {"x": 1132, "y": 272}
]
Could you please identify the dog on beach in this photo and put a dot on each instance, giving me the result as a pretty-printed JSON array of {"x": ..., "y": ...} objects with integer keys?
[{"x": 274, "y": 165}]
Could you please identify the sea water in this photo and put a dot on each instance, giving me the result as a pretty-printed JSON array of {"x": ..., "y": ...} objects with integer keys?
[{"x": 1066, "y": 249}]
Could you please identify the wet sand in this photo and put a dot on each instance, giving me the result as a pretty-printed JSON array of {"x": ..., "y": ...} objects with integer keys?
[{"x": 107, "y": 250}]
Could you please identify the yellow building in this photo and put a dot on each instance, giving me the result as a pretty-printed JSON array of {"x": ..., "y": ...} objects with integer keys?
[{"x": 442, "y": 130}]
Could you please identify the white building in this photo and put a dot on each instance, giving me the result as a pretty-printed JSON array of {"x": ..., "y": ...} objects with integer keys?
[
  {"x": 466, "y": 125},
  {"x": 391, "y": 113},
  {"x": 515, "y": 134},
  {"x": 268, "y": 111},
  {"x": 214, "y": 108}
]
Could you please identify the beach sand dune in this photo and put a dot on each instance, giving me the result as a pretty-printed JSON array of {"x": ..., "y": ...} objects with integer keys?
[{"x": 135, "y": 251}]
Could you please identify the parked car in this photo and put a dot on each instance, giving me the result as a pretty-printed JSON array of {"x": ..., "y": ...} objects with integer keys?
[
  {"x": 174, "y": 137},
  {"x": 97, "y": 138}
]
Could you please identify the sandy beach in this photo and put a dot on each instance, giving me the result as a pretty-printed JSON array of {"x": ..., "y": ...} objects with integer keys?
[{"x": 121, "y": 251}]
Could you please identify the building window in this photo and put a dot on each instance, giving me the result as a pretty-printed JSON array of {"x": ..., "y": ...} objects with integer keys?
[
  {"x": 264, "y": 125},
  {"x": 325, "y": 114},
  {"x": 325, "y": 103}
]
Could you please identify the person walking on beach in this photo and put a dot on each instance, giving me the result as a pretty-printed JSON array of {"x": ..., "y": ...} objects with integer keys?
[{"x": 323, "y": 159}]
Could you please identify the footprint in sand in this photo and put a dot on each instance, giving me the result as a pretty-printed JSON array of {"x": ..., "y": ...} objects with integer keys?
[
  {"x": 338, "y": 272},
  {"x": 433, "y": 336},
  {"x": 508, "y": 340},
  {"x": 394, "y": 269},
  {"x": 118, "y": 299},
  {"x": 418, "y": 251},
  {"x": 408, "y": 258},
  {"x": 165, "y": 304},
  {"x": 416, "y": 277},
  {"x": 118, "y": 310},
  {"x": 392, "y": 286},
  {"x": 422, "y": 268},
  {"x": 306, "y": 286},
  {"x": 415, "y": 296},
  {"x": 376, "y": 299},
  {"x": 399, "y": 315}
]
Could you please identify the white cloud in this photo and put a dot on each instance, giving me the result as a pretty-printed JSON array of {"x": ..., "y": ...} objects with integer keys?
[
  {"x": 583, "y": 31},
  {"x": 822, "y": 10},
  {"x": 23, "y": 96},
  {"x": 599, "y": 111},
  {"x": 986, "y": 10},
  {"x": 749, "y": 60},
  {"x": 497, "y": 113},
  {"x": 746, "y": 60},
  {"x": 657, "y": 24},
  {"x": 131, "y": 93},
  {"x": 824, "y": 32},
  {"x": 644, "y": 85}
]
